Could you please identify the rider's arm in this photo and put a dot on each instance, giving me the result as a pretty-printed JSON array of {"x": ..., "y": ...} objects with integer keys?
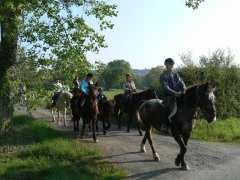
[
  {"x": 166, "y": 87},
  {"x": 133, "y": 86}
]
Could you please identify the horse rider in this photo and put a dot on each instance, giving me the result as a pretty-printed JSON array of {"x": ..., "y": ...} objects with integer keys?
[
  {"x": 76, "y": 83},
  {"x": 129, "y": 87},
  {"x": 173, "y": 86},
  {"x": 58, "y": 87},
  {"x": 84, "y": 87},
  {"x": 101, "y": 97}
]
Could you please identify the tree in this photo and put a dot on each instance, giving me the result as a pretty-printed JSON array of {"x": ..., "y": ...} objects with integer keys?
[
  {"x": 193, "y": 3},
  {"x": 115, "y": 73},
  {"x": 51, "y": 31}
]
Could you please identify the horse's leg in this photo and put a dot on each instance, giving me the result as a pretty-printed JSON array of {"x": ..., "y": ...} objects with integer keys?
[
  {"x": 139, "y": 128},
  {"x": 149, "y": 136},
  {"x": 104, "y": 126},
  {"x": 65, "y": 117},
  {"x": 74, "y": 126},
  {"x": 142, "y": 148},
  {"x": 180, "y": 157},
  {"x": 97, "y": 129},
  {"x": 53, "y": 116},
  {"x": 77, "y": 128},
  {"x": 83, "y": 128},
  {"x": 119, "y": 119},
  {"x": 129, "y": 122},
  {"x": 58, "y": 116},
  {"x": 185, "y": 137},
  {"x": 94, "y": 129}
]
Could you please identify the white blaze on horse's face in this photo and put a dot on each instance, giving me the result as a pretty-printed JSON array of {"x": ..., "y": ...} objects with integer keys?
[{"x": 211, "y": 98}]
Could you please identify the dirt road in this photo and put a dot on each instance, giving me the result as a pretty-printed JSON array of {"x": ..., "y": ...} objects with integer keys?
[{"x": 208, "y": 161}]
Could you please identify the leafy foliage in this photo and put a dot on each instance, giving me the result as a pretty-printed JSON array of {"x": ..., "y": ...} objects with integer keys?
[{"x": 115, "y": 74}]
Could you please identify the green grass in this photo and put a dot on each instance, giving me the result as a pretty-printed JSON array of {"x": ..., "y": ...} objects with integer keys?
[
  {"x": 221, "y": 131},
  {"x": 34, "y": 150},
  {"x": 111, "y": 93}
]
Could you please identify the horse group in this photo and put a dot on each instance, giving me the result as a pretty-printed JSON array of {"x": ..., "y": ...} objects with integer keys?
[{"x": 148, "y": 112}]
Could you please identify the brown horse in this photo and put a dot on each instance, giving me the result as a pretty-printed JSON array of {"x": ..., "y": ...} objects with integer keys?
[
  {"x": 153, "y": 112},
  {"x": 88, "y": 111},
  {"x": 130, "y": 106}
]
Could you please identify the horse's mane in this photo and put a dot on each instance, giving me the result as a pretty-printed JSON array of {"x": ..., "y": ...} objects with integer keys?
[
  {"x": 193, "y": 87},
  {"x": 190, "y": 97}
]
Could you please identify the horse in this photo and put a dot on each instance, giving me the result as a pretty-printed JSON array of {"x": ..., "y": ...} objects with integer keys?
[
  {"x": 62, "y": 104},
  {"x": 106, "y": 111},
  {"x": 88, "y": 112},
  {"x": 131, "y": 105},
  {"x": 152, "y": 113}
]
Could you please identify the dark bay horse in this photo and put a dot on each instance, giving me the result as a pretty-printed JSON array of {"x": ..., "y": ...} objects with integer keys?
[
  {"x": 131, "y": 105},
  {"x": 151, "y": 113},
  {"x": 88, "y": 112},
  {"x": 106, "y": 112}
]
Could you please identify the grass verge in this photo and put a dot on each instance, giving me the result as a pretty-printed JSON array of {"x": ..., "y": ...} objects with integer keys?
[
  {"x": 227, "y": 130},
  {"x": 34, "y": 150}
]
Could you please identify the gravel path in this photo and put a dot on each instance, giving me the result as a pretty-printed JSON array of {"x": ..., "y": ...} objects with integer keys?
[{"x": 208, "y": 161}]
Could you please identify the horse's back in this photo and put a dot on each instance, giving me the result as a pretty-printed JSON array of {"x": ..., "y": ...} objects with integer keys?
[{"x": 151, "y": 112}]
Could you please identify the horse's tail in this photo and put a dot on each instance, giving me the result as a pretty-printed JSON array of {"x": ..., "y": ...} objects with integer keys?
[{"x": 140, "y": 114}]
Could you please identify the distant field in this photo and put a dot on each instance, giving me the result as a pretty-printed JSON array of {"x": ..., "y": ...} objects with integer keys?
[
  {"x": 34, "y": 150},
  {"x": 111, "y": 93}
]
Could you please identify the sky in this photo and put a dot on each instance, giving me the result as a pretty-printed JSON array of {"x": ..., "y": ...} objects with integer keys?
[{"x": 148, "y": 31}]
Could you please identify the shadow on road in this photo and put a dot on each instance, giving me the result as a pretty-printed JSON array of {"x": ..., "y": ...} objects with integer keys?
[{"x": 152, "y": 174}]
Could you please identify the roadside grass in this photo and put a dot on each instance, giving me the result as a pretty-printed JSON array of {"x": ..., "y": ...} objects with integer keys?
[
  {"x": 227, "y": 130},
  {"x": 34, "y": 150}
]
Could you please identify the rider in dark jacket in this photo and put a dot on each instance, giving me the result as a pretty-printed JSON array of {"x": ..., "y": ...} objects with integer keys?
[{"x": 173, "y": 86}]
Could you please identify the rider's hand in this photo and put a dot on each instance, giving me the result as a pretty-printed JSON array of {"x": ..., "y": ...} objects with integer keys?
[{"x": 179, "y": 93}]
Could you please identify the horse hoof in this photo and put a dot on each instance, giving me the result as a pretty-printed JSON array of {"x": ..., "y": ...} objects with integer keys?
[
  {"x": 156, "y": 157},
  {"x": 177, "y": 162},
  {"x": 185, "y": 167},
  {"x": 143, "y": 149}
]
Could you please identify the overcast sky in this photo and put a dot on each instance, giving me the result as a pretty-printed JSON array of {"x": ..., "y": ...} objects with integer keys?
[{"x": 148, "y": 31}]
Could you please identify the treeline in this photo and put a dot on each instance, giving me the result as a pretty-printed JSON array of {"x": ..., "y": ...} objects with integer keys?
[{"x": 217, "y": 68}]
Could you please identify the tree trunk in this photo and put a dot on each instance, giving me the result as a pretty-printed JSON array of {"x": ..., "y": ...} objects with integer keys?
[{"x": 8, "y": 48}]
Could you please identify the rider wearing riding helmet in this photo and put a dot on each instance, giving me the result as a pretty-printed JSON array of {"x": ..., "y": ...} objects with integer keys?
[
  {"x": 84, "y": 87},
  {"x": 173, "y": 86},
  {"x": 129, "y": 87}
]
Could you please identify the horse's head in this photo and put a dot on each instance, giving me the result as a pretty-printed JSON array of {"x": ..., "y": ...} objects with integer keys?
[
  {"x": 202, "y": 96},
  {"x": 207, "y": 101},
  {"x": 93, "y": 91}
]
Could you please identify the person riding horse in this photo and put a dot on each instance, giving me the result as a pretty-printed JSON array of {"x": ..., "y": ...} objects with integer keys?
[
  {"x": 76, "y": 83},
  {"x": 129, "y": 87},
  {"x": 173, "y": 86},
  {"x": 84, "y": 87},
  {"x": 58, "y": 87},
  {"x": 101, "y": 97}
]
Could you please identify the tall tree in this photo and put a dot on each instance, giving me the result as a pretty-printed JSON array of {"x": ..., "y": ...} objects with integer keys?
[
  {"x": 115, "y": 73},
  {"x": 57, "y": 30}
]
